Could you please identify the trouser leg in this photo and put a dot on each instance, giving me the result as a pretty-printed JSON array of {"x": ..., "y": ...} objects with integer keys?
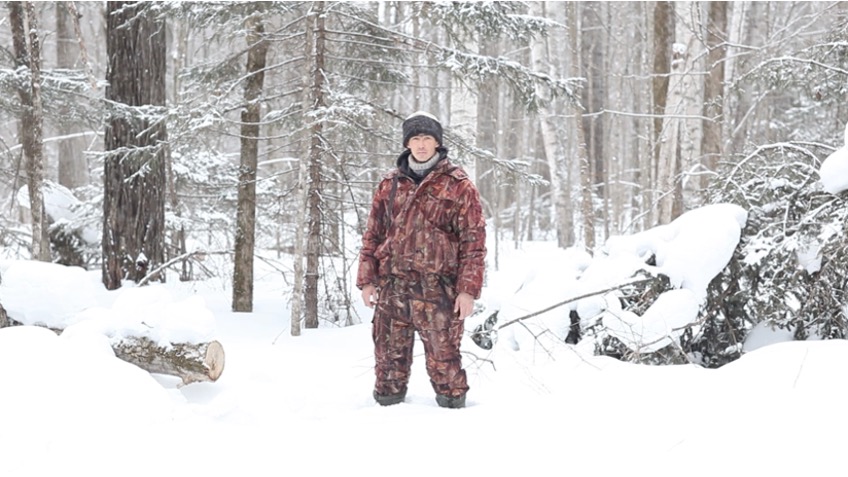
[
  {"x": 444, "y": 361},
  {"x": 393, "y": 342},
  {"x": 441, "y": 333}
]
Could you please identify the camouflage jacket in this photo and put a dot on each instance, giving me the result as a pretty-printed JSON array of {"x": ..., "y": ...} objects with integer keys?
[{"x": 436, "y": 228}]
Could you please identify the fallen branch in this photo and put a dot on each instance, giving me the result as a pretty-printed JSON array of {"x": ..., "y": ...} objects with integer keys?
[{"x": 578, "y": 298}]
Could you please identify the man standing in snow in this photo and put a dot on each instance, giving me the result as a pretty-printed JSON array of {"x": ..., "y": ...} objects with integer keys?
[{"x": 421, "y": 264}]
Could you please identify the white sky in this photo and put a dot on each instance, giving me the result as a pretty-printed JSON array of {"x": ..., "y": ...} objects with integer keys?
[{"x": 303, "y": 406}]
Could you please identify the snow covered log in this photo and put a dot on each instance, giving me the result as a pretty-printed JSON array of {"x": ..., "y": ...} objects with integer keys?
[{"x": 191, "y": 362}]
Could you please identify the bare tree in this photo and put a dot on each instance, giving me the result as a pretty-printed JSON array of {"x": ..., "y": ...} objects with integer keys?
[
  {"x": 586, "y": 199},
  {"x": 316, "y": 155},
  {"x": 73, "y": 167},
  {"x": 313, "y": 99},
  {"x": 540, "y": 57},
  {"x": 663, "y": 38},
  {"x": 250, "y": 117},
  {"x": 134, "y": 166},
  {"x": 713, "y": 106},
  {"x": 22, "y": 19},
  {"x": 679, "y": 138}
]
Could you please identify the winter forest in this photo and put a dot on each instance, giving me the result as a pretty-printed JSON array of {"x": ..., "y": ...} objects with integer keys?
[{"x": 160, "y": 141}]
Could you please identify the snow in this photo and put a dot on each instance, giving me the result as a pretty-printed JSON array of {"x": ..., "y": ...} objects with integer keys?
[
  {"x": 833, "y": 173},
  {"x": 302, "y": 405},
  {"x": 63, "y": 207}
]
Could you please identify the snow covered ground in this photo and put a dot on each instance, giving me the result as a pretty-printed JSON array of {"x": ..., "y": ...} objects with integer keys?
[{"x": 302, "y": 405}]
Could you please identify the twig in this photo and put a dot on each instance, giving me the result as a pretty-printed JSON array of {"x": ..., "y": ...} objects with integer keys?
[{"x": 155, "y": 272}]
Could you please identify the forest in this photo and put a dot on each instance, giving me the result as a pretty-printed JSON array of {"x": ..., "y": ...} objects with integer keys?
[{"x": 161, "y": 140}]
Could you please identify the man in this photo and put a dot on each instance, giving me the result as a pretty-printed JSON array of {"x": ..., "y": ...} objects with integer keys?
[{"x": 421, "y": 265}]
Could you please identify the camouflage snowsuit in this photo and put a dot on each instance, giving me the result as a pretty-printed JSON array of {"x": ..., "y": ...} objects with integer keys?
[{"x": 429, "y": 250}]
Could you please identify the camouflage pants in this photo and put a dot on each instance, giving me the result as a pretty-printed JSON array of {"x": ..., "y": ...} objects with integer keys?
[{"x": 426, "y": 307}]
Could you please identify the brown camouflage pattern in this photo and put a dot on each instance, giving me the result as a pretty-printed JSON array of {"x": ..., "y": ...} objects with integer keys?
[
  {"x": 433, "y": 250},
  {"x": 438, "y": 228},
  {"x": 425, "y": 306}
]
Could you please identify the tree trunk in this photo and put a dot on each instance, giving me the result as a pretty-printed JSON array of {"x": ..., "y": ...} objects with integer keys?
[
  {"x": 134, "y": 166},
  {"x": 177, "y": 241},
  {"x": 302, "y": 188},
  {"x": 245, "y": 239},
  {"x": 663, "y": 39},
  {"x": 678, "y": 136},
  {"x": 22, "y": 19},
  {"x": 73, "y": 167},
  {"x": 592, "y": 34},
  {"x": 547, "y": 127},
  {"x": 191, "y": 362},
  {"x": 713, "y": 112},
  {"x": 315, "y": 186},
  {"x": 587, "y": 206}
]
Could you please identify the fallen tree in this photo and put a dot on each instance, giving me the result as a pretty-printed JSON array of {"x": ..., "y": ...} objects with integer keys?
[{"x": 191, "y": 362}]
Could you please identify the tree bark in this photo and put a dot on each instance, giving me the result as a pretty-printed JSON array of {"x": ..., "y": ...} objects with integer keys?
[
  {"x": 315, "y": 184},
  {"x": 22, "y": 19},
  {"x": 541, "y": 61},
  {"x": 302, "y": 188},
  {"x": 592, "y": 35},
  {"x": 135, "y": 137},
  {"x": 73, "y": 167},
  {"x": 586, "y": 202},
  {"x": 245, "y": 239},
  {"x": 191, "y": 362},
  {"x": 713, "y": 112},
  {"x": 678, "y": 136},
  {"x": 663, "y": 23}
]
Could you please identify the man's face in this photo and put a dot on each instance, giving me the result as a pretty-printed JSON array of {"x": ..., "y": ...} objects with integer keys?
[{"x": 423, "y": 147}]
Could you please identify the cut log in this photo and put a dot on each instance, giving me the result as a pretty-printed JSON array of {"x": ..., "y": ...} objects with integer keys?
[{"x": 191, "y": 362}]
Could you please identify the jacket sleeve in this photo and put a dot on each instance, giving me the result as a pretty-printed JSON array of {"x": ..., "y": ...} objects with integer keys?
[
  {"x": 374, "y": 235},
  {"x": 471, "y": 226}
]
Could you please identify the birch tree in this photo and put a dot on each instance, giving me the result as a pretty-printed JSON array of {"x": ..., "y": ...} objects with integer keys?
[
  {"x": 678, "y": 134},
  {"x": 540, "y": 57}
]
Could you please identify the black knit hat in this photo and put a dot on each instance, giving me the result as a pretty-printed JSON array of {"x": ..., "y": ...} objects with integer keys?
[{"x": 421, "y": 123}]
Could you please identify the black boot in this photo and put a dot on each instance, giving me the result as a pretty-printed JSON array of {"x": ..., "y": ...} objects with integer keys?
[
  {"x": 389, "y": 399},
  {"x": 451, "y": 402}
]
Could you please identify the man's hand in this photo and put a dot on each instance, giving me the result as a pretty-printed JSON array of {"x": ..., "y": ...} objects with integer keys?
[
  {"x": 369, "y": 295},
  {"x": 464, "y": 305}
]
